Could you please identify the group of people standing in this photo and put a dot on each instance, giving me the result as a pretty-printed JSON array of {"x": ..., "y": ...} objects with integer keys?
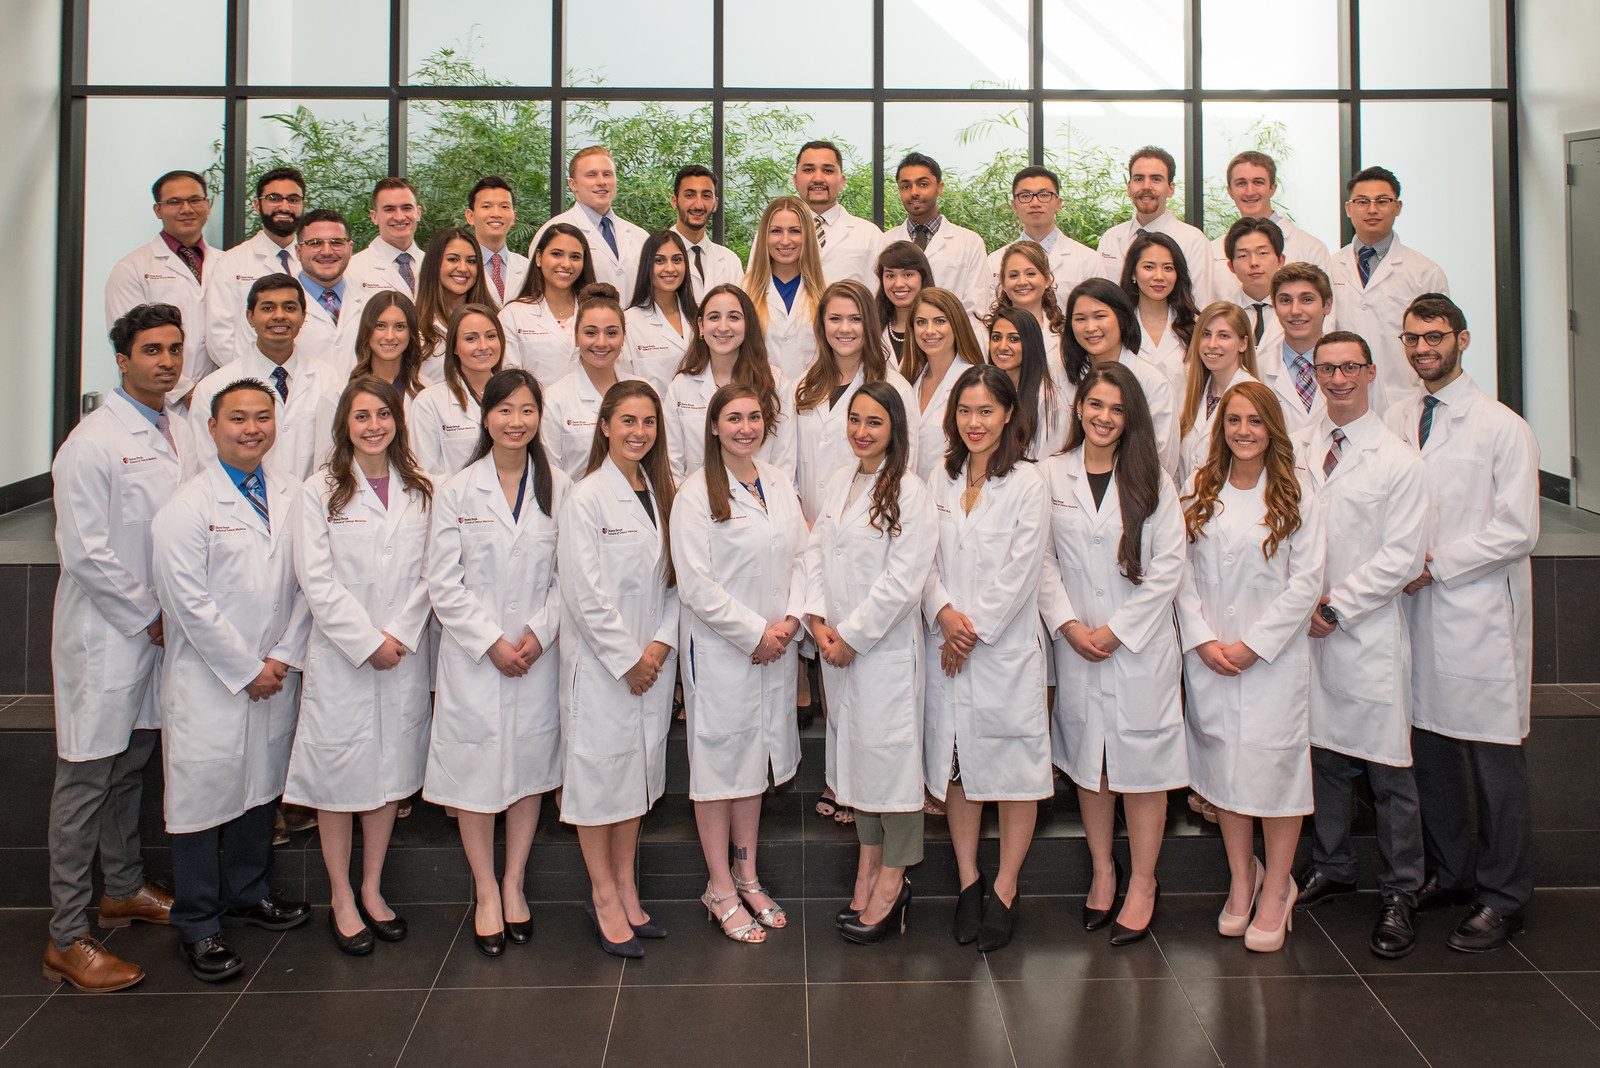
[{"x": 471, "y": 530}]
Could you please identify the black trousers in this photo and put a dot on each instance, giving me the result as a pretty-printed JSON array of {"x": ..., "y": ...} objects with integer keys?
[
  {"x": 1458, "y": 779},
  {"x": 220, "y": 868}
]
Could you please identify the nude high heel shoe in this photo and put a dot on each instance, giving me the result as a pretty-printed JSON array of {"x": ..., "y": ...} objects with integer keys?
[
  {"x": 1262, "y": 941},
  {"x": 1231, "y": 926}
]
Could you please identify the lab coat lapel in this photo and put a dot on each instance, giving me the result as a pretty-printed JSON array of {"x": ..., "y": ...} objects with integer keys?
[
  {"x": 624, "y": 493},
  {"x": 853, "y": 514},
  {"x": 486, "y": 482},
  {"x": 966, "y": 522},
  {"x": 232, "y": 498}
]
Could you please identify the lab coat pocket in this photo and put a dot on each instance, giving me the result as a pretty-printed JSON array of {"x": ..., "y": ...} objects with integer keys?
[
  {"x": 1008, "y": 697},
  {"x": 479, "y": 552},
  {"x": 230, "y": 565},
  {"x": 1359, "y": 663},
  {"x": 340, "y": 717},
  {"x": 1469, "y": 622},
  {"x": 350, "y": 542},
  {"x": 201, "y": 728},
  {"x": 466, "y": 707},
  {"x": 625, "y": 564},
  {"x": 605, "y": 717},
  {"x": 124, "y": 661},
  {"x": 1273, "y": 701},
  {"x": 1147, "y": 688},
  {"x": 283, "y": 708},
  {"x": 885, "y": 724},
  {"x": 140, "y": 488}
]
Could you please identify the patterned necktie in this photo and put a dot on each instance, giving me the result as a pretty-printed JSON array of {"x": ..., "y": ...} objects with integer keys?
[
  {"x": 1425, "y": 424},
  {"x": 403, "y": 262},
  {"x": 164, "y": 425},
  {"x": 919, "y": 235},
  {"x": 283, "y": 258},
  {"x": 280, "y": 378},
  {"x": 256, "y": 493},
  {"x": 699, "y": 263},
  {"x": 1332, "y": 459},
  {"x": 1261, "y": 322},
  {"x": 191, "y": 259},
  {"x": 608, "y": 231},
  {"x": 330, "y": 300},
  {"x": 1364, "y": 257},
  {"x": 496, "y": 277},
  {"x": 1304, "y": 381},
  {"x": 822, "y": 238},
  {"x": 1212, "y": 400}
]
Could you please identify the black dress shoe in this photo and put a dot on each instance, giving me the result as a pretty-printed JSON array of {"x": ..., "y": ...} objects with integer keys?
[
  {"x": 211, "y": 960},
  {"x": 1485, "y": 929},
  {"x": 969, "y": 911},
  {"x": 1094, "y": 919},
  {"x": 648, "y": 929},
  {"x": 357, "y": 945},
  {"x": 867, "y": 934},
  {"x": 1433, "y": 896},
  {"x": 1317, "y": 888},
  {"x": 999, "y": 919},
  {"x": 271, "y": 913},
  {"x": 490, "y": 945},
  {"x": 845, "y": 915},
  {"x": 387, "y": 930},
  {"x": 1394, "y": 936},
  {"x": 1127, "y": 936}
]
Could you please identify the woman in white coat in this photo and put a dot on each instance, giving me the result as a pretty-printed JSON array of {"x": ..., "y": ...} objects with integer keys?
[
  {"x": 388, "y": 344},
  {"x": 572, "y": 404},
  {"x": 738, "y": 545},
  {"x": 661, "y": 315},
  {"x": 1112, "y": 569},
  {"x": 538, "y": 320},
  {"x": 450, "y": 277},
  {"x": 1044, "y": 399},
  {"x": 903, "y": 272},
  {"x": 726, "y": 350},
  {"x": 785, "y": 282},
  {"x": 1223, "y": 352},
  {"x": 360, "y": 554},
  {"x": 986, "y": 733},
  {"x": 1025, "y": 282},
  {"x": 1155, "y": 277},
  {"x": 446, "y": 418},
  {"x": 497, "y": 744},
  {"x": 866, "y": 565},
  {"x": 940, "y": 347},
  {"x": 1256, "y": 551},
  {"x": 619, "y": 624}
]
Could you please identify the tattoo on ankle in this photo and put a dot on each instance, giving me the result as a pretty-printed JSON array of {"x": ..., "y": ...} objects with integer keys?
[{"x": 741, "y": 853}]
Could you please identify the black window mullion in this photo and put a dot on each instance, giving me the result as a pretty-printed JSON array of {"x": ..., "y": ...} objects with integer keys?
[
  {"x": 558, "y": 102},
  {"x": 397, "y": 77},
  {"x": 1036, "y": 83},
  {"x": 235, "y": 133},
  {"x": 877, "y": 112},
  {"x": 69, "y": 221},
  {"x": 1194, "y": 179},
  {"x": 718, "y": 110}
]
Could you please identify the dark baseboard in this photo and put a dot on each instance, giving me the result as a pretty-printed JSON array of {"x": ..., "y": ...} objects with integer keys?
[{"x": 1557, "y": 488}]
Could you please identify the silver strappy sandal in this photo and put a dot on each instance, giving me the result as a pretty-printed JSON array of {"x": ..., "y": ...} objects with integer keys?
[
  {"x": 772, "y": 916},
  {"x": 748, "y": 933}
]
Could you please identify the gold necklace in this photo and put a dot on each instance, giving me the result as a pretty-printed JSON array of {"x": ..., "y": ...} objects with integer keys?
[{"x": 972, "y": 494}]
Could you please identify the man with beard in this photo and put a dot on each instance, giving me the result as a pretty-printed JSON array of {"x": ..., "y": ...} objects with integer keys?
[
  {"x": 957, "y": 255},
  {"x": 280, "y": 200},
  {"x": 849, "y": 245},
  {"x": 694, "y": 198},
  {"x": 1152, "y": 180},
  {"x": 333, "y": 309}
]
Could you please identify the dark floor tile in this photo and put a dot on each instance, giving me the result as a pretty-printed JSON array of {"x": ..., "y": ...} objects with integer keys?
[
  {"x": 1562, "y": 753},
  {"x": 1583, "y": 988},
  {"x": 866, "y": 1026},
  {"x": 14, "y": 628},
  {"x": 1546, "y": 642},
  {"x": 745, "y": 1025},
  {"x": 1119, "y": 1023},
  {"x": 1331, "y": 1021},
  {"x": 127, "y": 1030},
  {"x": 1558, "y": 701},
  {"x": 23, "y": 935},
  {"x": 1186, "y": 929},
  {"x": 14, "y": 1012},
  {"x": 28, "y": 769},
  {"x": 697, "y": 952},
  {"x": 563, "y": 952},
  {"x": 29, "y": 714},
  {"x": 493, "y": 1027},
  {"x": 1348, "y": 921},
  {"x": 1563, "y": 931},
  {"x": 307, "y": 959},
  {"x": 1050, "y": 943},
  {"x": 156, "y": 950},
  {"x": 1590, "y": 690},
  {"x": 1577, "y": 626},
  {"x": 42, "y": 581},
  {"x": 925, "y": 953},
  {"x": 312, "y": 1030},
  {"x": 1491, "y": 1020}
]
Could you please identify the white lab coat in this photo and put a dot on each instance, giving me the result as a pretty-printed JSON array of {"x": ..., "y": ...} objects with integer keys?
[
  {"x": 1276, "y": 376},
  {"x": 1195, "y": 448},
  {"x": 655, "y": 349},
  {"x": 927, "y": 424},
  {"x": 567, "y": 424},
  {"x": 851, "y": 249},
  {"x": 791, "y": 334},
  {"x": 228, "y": 284},
  {"x": 1472, "y": 629},
  {"x": 618, "y": 268},
  {"x": 868, "y": 587},
  {"x": 988, "y": 566},
  {"x": 1116, "y": 241},
  {"x": 735, "y": 579},
  {"x": 153, "y": 274},
  {"x": 1055, "y": 415},
  {"x": 684, "y": 406},
  {"x": 444, "y": 434},
  {"x": 514, "y": 273},
  {"x": 960, "y": 262},
  {"x": 720, "y": 263},
  {"x": 1376, "y": 502},
  {"x": 112, "y": 475},
  {"x": 304, "y": 421},
  {"x": 1163, "y": 404},
  {"x": 1249, "y": 735},
  {"x": 1377, "y": 312},
  {"x": 329, "y": 342},
  {"x": 1070, "y": 263},
  {"x": 431, "y": 370},
  {"x": 614, "y": 602},
  {"x": 495, "y": 739},
  {"x": 363, "y": 735},
  {"x": 374, "y": 268},
  {"x": 536, "y": 341},
  {"x": 822, "y": 439},
  {"x": 1122, "y": 715},
  {"x": 1170, "y": 354},
  {"x": 230, "y": 602}
]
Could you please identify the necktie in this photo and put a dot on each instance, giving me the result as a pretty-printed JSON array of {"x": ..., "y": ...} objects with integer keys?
[
  {"x": 403, "y": 262},
  {"x": 1337, "y": 450},
  {"x": 608, "y": 231},
  {"x": 330, "y": 300},
  {"x": 699, "y": 263},
  {"x": 1425, "y": 424},
  {"x": 1261, "y": 323},
  {"x": 283, "y": 258},
  {"x": 280, "y": 378},
  {"x": 1304, "y": 382},
  {"x": 822, "y": 238},
  {"x": 256, "y": 493},
  {"x": 164, "y": 425},
  {"x": 919, "y": 235},
  {"x": 496, "y": 277},
  {"x": 191, "y": 259},
  {"x": 1211, "y": 404},
  {"x": 1364, "y": 257}
]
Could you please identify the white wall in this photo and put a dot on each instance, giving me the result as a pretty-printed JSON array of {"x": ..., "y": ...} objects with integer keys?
[
  {"x": 1559, "y": 94},
  {"x": 30, "y": 73}
]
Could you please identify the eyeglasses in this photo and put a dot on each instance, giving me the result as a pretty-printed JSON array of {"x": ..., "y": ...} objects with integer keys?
[
  {"x": 1028, "y": 196},
  {"x": 294, "y": 200},
  {"x": 1432, "y": 337},
  {"x": 317, "y": 244},
  {"x": 1349, "y": 370},
  {"x": 1366, "y": 202},
  {"x": 179, "y": 202}
]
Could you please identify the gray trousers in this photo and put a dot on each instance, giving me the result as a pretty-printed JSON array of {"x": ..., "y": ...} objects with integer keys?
[
  {"x": 1394, "y": 794},
  {"x": 95, "y": 805},
  {"x": 1456, "y": 777}
]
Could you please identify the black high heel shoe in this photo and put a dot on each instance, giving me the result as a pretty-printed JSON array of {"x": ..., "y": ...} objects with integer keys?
[
  {"x": 357, "y": 945},
  {"x": 1094, "y": 919},
  {"x": 969, "y": 911},
  {"x": 387, "y": 930},
  {"x": 867, "y": 934},
  {"x": 999, "y": 919},
  {"x": 631, "y": 949},
  {"x": 846, "y": 915},
  {"x": 1127, "y": 936}
]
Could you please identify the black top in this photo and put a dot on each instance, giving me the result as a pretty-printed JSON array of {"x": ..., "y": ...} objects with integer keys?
[
  {"x": 1098, "y": 484},
  {"x": 838, "y": 391},
  {"x": 649, "y": 509}
]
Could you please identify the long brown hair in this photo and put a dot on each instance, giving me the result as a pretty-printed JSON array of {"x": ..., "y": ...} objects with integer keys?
[
  {"x": 431, "y": 296},
  {"x": 1138, "y": 464},
  {"x": 455, "y": 382},
  {"x": 1036, "y": 389},
  {"x": 655, "y": 463},
  {"x": 751, "y": 367},
  {"x": 533, "y": 284},
  {"x": 915, "y": 361},
  {"x": 759, "y": 276},
  {"x": 1194, "y": 389},
  {"x": 1282, "y": 491},
  {"x": 341, "y": 466},
  {"x": 1035, "y": 254},
  {"x": 822, "y": 377},
  {"x": 884, "y": 513},
  {"x": 500, "y": 386},
  {"x": 718, "y": 491},
  {"x": 1013, "y": 442},
  {"x": 1180, "y": 301},
  {"x": 411, "y": 358},
  {"x": 899, "y": 256}
]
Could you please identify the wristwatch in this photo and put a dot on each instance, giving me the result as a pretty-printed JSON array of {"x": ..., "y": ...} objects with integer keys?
[{"x": 1328, "y": 614}]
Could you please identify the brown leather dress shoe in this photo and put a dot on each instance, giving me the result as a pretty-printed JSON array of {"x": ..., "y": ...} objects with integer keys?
[
  {"x": 89, "y": 966},
  {"x": 152, "y": 904}
]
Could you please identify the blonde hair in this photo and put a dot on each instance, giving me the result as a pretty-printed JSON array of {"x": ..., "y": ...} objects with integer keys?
[
  {"x": 759, "y": 276},
  {"x": 1194, "y": 390}
]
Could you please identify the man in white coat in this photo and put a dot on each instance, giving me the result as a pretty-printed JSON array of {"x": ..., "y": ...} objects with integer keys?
[
  {"x": 957, "y": 255},
  {"x": 333, "y": 306},
  {"x": 172, "y": 269},
  {"x": 1375, "y": 278},
  {"x": 849, "y": 245},
  {"x": 1471, "y": 622},
  {"x": 279, "y": 202},
  {"x": 117, "y": 467},
  {"x": 393, "y": 260},
  {"x": 1252, "y": 183},
  {"x": 694, "y": 198},
  {"x": 1375, "y": 497},
  {"x": 1254, "y": 254},
  {"x": 614, "y": 242},
  {"x": 1302, "y": 300},
  {"x": 1035, "y": 199},
  {"x": 1152, "y": 178},
  {"x": 236, "y": 631},
  {"x": 491, "y": 212}
]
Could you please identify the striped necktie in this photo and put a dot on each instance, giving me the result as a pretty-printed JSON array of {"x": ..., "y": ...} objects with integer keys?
[
  {"x": 402, "y": 263},
  {"x": 1364, "y": 257},
  {"x": 330, "y": 300},
  {"x": 822, "y": 238},
  {"x": 1332, "y": 459},
  {"x": 1304, "y": 381},
  {"x": 255, "y": 491},
  {"x": 1425, "y": 424}
]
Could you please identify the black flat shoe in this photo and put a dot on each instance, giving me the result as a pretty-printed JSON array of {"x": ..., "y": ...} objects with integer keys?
[
  {"x": 271, "y": 913},
  {"x": 490, "y": 945},
  {"x": 520, "y": 933},
  {"x": 1433, "y": 896},
  {"x": 631, "y": 949},
  {"x": 1094, "y": 919},
  {"x": 998, "y": 921},
  {"x": 357, "y": 945},
  {"x": 1317, "y": 888},
  {"x": 211, "y": 960},
  {"x": 1485, "y": 929},
  {"x": 846, "y": 915},
  {"x": 648, "y": 929},
  {"x": 387, "y": 930},
  {"x": 1127, "y": 936},
  {"x": 969, "y": 911},
  {"x": 867, "y": 934},
  {"x": 1395, "y": 933}
]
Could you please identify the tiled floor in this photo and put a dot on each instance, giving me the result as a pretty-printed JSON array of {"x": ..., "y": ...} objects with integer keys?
[{"x": 1056, "y": 996}]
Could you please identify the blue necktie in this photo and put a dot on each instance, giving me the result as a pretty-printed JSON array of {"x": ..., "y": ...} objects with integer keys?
[
  {"x": 280, "y": 378},
  {"x": 283, "y": 258},
  {"x": 607, "y": 232},
  {"x": 1364, "y": 257},
  {"x": 256, "y": 493},
  {"x": 403, "y": 261},
  {"x": 1425, "y": 424}
]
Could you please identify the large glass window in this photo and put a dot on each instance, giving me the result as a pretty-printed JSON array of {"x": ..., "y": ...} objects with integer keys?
[
  {"x": 341, "y": 146},
  {"x": 1301, "y": 138},
  {"x": 1094, "y": 45},
  {"x": 767, "y": 46},
  {"x": 125, "y": 34},
  {"x": 318, "y": 42},
  {"x": 978, "y": 145},
  {"x": 477, "y": 42},
  {"x": 450, "y": 144},
  {"x": 955, "y": 44},
  {"x": 641, "y": 44},
  {"x": 1088, "y": 144},
  {"x": 1422, "y": 44},
  {"x": 648, "y": 141},
  {"x": 1256, "y": 45}
]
